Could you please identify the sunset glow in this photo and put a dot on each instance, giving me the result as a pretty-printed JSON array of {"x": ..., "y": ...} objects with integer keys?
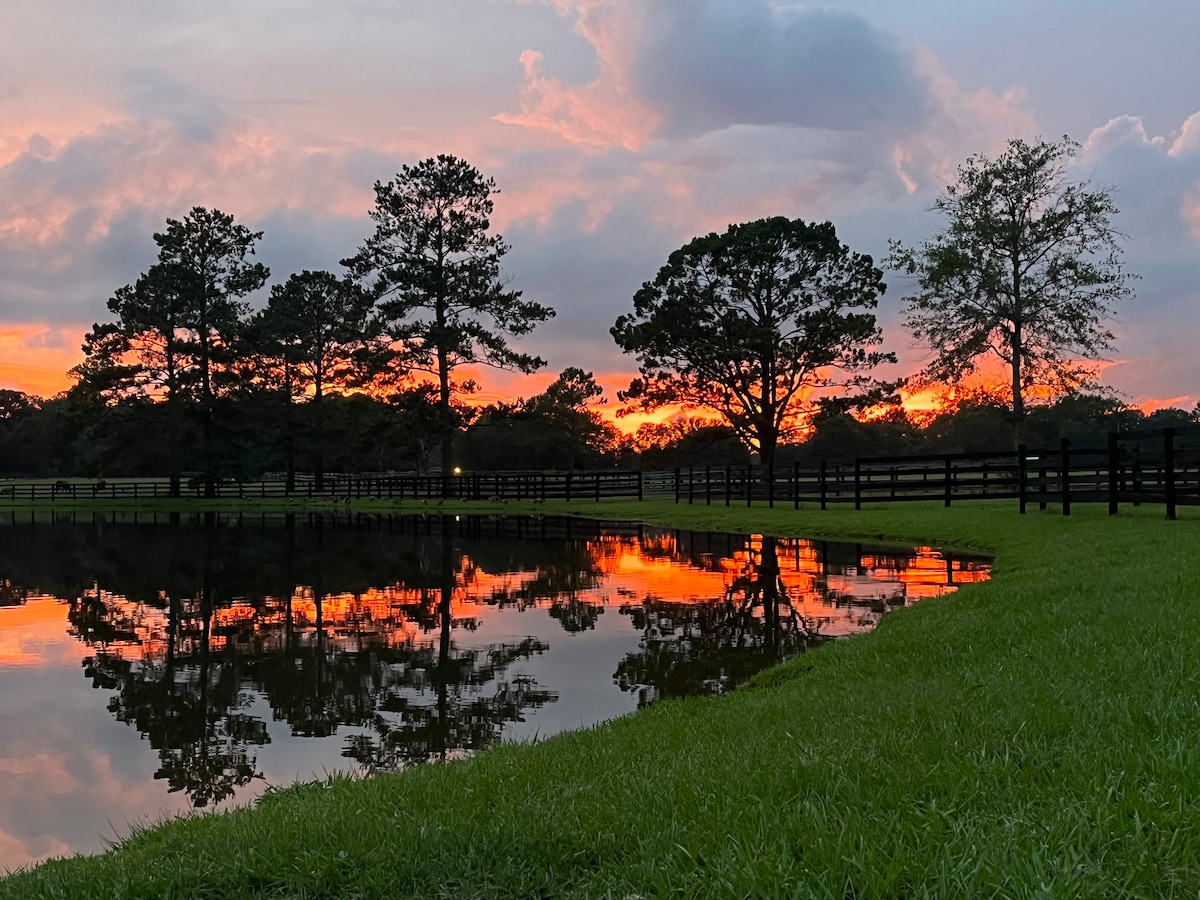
[{"x": 604, "y": 128}]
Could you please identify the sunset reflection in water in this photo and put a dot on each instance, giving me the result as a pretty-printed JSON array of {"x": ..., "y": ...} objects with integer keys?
[{"x": 220, "y": 659}]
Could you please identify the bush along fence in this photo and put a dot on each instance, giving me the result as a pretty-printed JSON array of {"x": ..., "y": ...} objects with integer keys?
[{"x": 1161, "y": 466}]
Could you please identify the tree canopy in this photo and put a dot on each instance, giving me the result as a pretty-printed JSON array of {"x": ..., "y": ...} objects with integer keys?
[
  {"x": 435, "y": 267},
  {"x": 759, "y": 324},
  {"x": 1025, "y": 271},
  {"x": 309, "y": 335},
  {"x": 175, "y": 327}
]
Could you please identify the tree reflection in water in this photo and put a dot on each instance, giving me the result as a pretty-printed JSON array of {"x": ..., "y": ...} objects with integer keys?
[
  {"x": 188, "y": 703},
  {"x": 430, "y": 703},
  {"x": 706, "y": 647},
  {"x": 209, "y": 635},
  {"x": 424, "y": 698}
]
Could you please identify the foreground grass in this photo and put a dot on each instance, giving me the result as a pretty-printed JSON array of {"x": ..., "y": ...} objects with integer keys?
[{"x": 1038, "y": 735}]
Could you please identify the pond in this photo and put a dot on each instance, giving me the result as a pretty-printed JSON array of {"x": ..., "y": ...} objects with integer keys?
[{"x": 154, "y": 665}]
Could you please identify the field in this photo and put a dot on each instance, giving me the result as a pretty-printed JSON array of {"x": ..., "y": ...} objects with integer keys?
[{"x": 1037, "y": 735}]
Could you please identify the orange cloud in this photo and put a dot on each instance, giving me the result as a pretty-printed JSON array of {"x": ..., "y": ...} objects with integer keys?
[{"x": 34, "y": 359}]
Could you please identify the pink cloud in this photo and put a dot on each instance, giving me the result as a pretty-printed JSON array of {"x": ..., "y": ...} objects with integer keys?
[
  {"x": 602, "y": 113},
  {"x": 246, "y": 169},
  {"x": 1188, "y": 139},
  {"x": 959, "y": 123}
]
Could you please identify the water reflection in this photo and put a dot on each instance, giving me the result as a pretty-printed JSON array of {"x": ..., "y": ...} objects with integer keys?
[
  {"x": 223, "y": 642},
  {"x": 708, "y": 645}
]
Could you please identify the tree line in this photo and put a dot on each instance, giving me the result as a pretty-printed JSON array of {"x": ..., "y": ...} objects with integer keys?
[{"x": 762, "y": 340}]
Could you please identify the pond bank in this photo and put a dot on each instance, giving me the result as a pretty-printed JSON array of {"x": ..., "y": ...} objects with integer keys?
[{"x": 1037, "y": 733}]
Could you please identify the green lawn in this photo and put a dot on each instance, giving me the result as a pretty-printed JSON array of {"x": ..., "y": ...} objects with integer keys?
[{"x": 1035, "y": 736}]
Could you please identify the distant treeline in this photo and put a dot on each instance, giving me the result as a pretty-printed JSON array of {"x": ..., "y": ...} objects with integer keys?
[{"x": 75, "y": 434}]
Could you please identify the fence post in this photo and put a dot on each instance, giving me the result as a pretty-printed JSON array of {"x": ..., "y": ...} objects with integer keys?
[
  {"x": 597, "y": 487},
  {"x": 641, "y": 485},
  {"x": 1065, "y": 476},
  {"x": 821, "y": 476},
  {"x": 1169, "y": 470},
  {"x": 857, "y": 483},
  {"x": 728, "y": 473},
  {"x": 1022, "y": 471},
  {"x": 771, "y": 484},
  {"x": 567, "y": 486},
  {"x": 749, "y": 483},
  {"x": 949, "y": 481},
  {"x": 708, "y": 485},
  {"x": 795, "y": 485},
  {"x": 677, "y": 484},
  {"x": 1114, "y": 486},
  {"x": 691, "y": 486}
]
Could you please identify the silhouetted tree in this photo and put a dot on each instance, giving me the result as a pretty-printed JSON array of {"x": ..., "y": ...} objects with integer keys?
[
  {"x": 1026, "y": 270},
  {"x": 310, "y": 331},
  {"x": 567, "y": 410},
  {"x": 144, "y": 355},
  {"x": 175, "y": 325},
  {"x": 756, "y": 324},
  {"x": 436, "y": 269},
  {"x": 15, "y": 404},
  {"x": 202, "y": 261}
]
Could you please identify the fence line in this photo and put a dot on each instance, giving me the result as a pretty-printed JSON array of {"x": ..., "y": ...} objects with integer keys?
[{"x": 1134, "y": 467}]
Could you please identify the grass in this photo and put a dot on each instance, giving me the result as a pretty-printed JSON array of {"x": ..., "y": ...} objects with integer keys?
[{"x": 1034, "y": 736}]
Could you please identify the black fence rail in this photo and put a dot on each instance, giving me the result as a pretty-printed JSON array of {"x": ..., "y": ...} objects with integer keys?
[{"x": 1160, "y": 467}]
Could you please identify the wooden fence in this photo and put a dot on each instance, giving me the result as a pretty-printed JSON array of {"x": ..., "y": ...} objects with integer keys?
[{"x": 1160, "y": 466}]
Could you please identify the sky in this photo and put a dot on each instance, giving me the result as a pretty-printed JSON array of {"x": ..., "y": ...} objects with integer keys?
[{"x": 616, "y": 130}]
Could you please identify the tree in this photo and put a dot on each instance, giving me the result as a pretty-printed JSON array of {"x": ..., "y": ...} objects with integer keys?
[
  {"x": 310, "y": 331},
  {"x": 15, "y": 404},
  {"x": 174, "y": 327},
  {"x": 758, "y": 324},
  {"x": 567, "y": 409},
  {"x": 202, "y": 261},
  {"x": 143, "y": 355},
  {"x": 436, "y": 269},
  {"x": 1026, "y": 270}
]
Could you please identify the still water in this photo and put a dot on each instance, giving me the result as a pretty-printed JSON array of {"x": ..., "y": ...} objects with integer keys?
[{"x": 152, "y": 667}]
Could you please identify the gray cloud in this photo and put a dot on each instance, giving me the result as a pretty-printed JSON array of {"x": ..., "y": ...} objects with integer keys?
[
  {"x": 710, "y": 64},
  {"x": 156, "y": 94}
]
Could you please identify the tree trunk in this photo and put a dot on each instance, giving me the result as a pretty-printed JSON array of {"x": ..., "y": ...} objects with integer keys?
[
  {"x": 210, "y": 488},
  {"x": 444, "y": 412},
  {"x": 173, "y": 445},
  {"x": 289, "y": 438},
  {"x": 1018, "y": 401},
  {"x": 319, "y": 436}
]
